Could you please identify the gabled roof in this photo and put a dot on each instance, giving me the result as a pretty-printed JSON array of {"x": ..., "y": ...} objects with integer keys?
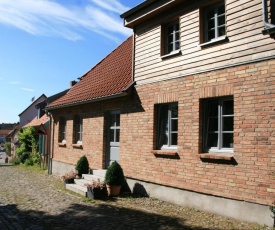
[
  {"x": 4, "y": 132},
  {"x": 112, "y": 76},
  {"x": 36, "y": 122},
  {"x": 33, "y": 103}
]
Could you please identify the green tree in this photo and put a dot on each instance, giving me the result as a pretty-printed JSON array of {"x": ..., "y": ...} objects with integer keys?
[{"x": 7, "y": 147}]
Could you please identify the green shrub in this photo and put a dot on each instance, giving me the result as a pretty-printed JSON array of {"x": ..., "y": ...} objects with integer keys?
[
  {"x": 82, "y": 166},
  {"x": 24, "y": 157},
  {"x": 29, "y": 162},
  {"x": 15, "y": 161},
  {"x": 114, "y": 175}
]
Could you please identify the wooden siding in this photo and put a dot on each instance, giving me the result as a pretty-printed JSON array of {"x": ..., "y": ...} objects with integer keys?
[{"x": 245, "y": 43}]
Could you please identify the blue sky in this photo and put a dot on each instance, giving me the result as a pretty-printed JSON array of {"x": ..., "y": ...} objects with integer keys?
[{"x": 45, "y": 44}]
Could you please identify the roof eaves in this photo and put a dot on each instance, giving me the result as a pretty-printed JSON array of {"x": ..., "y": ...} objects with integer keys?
[
  {"x": 120, "y": 94},
  {"x": 137, "y": 8},
  {"x": 33, "y": 103}
]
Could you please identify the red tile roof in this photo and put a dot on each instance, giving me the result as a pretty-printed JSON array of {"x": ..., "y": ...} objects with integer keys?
[
  {"x": 4, "y": 132},
  {"x": 111, "y": 76},
  {"x": 37, "y": 122}
]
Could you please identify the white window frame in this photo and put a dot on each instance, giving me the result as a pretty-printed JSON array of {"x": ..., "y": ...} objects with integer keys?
[
  {"x": 216, "y": 26},
  {"x": 220, "y": 116},
  {"x": 174, "y": 41},
  {"x": 168, "y": 129}
]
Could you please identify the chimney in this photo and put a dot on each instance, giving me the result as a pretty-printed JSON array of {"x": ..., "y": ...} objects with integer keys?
[{"x": 72, "y": 83}]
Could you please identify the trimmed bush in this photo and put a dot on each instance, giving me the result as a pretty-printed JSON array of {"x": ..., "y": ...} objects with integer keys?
[
  {"x": 82, "y": 166},
  {"x": 114, "y": 175}
]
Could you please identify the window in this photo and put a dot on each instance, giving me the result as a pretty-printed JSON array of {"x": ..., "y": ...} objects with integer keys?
[
  {"x": 62, "y": 129},
  {"x": 78, "y": 130},
  {"x": 171, "y": 37},
  {"x": 219, "y": 124},
  {"x": 167, "y": 126},
  {"x": 214, "y": 19}
]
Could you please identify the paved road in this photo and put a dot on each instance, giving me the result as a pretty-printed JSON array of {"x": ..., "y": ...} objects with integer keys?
[
  {"x": 2, "y": 157},
  {"x": 34, "y": 200}
]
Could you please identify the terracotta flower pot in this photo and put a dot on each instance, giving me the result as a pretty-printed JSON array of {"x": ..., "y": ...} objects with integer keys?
[{"x": 113, "y": 190}]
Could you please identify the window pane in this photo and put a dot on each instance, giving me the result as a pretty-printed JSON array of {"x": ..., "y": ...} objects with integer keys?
[
  {"x": 117, "y": 119},
  {"x": 174, "y": 125},
  {"x": 163, "y": 126},
  {"x": 213, "y": 107},
  {"x": 117, "y": 135},
  {"x": 113, "y": 120},
  {"x": 221, "y": 20},
  {"x": 174, "y": 137},
  {"x": 211, "y": 24},
  {"x": 177, "y": 36},
  {"x": 221, "y": 31},
  {"x": 212, "y": 140},
  {"x": 170, "y": 30},
  {"x": 228, "y": 140},
  {"x": 170, "y": 48},
  {"x": 213, "y": 124},
  {"x": 174, "y": 113},
  {"x": 211, "y": 35},
  {"x": 170, "y": 38},
  {"x": 228, "y": 123},
  {"x": 112, "y": 135},
  {"x": 221, "y": 9},
  {"x": 210, "y": 13},
  {"x": 228, "y": 107},
  {"x": 177, "y": 26},
  {"x": 177, "y": 46}
]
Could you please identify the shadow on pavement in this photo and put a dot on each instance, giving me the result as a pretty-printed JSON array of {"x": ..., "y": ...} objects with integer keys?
[{"x": 97, "y": 216}]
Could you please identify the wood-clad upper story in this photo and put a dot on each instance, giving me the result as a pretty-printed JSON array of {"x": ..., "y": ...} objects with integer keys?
[{"x": 240, "y": 41}]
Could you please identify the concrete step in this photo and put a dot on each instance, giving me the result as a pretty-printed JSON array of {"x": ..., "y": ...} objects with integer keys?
[
  {"x": 81, "y": 182},
  {"x": 82, "y": 190},
  {"x": 99, "y": 172},
  {"x": 91, "y": 177}
]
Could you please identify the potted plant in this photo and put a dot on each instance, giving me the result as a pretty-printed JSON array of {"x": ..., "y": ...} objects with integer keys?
[
  {"x": 68, "y": 178},
  {"x": 82, "y": 166},
  {"x": 96, "y": 189},
  {"x": 114, "y": 178}
]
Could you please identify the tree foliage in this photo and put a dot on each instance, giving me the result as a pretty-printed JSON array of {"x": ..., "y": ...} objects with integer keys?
[{"x": 7, "y": 147}]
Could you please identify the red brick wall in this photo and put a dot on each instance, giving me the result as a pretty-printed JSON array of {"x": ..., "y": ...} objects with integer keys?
[{"x": 249, "y": 177}]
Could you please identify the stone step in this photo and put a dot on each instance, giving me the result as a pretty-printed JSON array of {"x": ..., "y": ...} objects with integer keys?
[
  {"x": 99, "y": 172},
  {"x": 91, "y": 177},
  {"x": 81, "y": 182},
  {"x": 82, "y": 190}
]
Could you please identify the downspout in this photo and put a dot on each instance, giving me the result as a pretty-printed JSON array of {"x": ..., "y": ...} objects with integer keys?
[
  {"x": 49, "y": 144},
  {"x": 269, "y": 28}
]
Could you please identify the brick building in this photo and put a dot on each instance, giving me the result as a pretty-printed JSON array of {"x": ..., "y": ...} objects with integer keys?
[{"x": 197, "y": 128}]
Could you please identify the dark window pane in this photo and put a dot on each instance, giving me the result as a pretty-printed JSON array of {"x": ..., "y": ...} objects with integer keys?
[
  {"x": 221, "y": 20},
  {"x": 118, "y": 120},
  {"x": 212, "y": 124},
  {"x": 170, "y": 48},
  {"x": 213, "y": 107},
  {"x": 174, "y": 125},
  {"x": 221, "y": 31},
  {"x": 177, "y": 46},
  {"x": 210, "y": 13},
  {"x": 117, "y": 135},
  {"x": 211, "y": 35},
  {"x": 228, "y": 123},
  {"x": 113, "y": 120},
  {"x": 228, "y": 108},
  {"x": 112, "y": 135},
  {"x": 212, "y": 140},
  {"x": 170, "y": 38},
  {"x": 221, "y": 9},
  {"x": 177, "y": 36},
  {"x": 228, "y": 140},
  {"x": 211, "y": 24},
  {"x": 174, "y": 137},
  {"x": 177, "y": 26},
  {"x": 170, "y": 30},
  {"x": 174, "y": 111}
]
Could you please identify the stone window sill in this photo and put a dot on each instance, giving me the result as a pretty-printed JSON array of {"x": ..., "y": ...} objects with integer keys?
[
  {"x": 165, "y": 153},
  {"x": 174, "y": 53},
  {"x": 216, "y": 156},
  {"x": 79, "y": 146},
  {"x": 213, "y": 42},
  {"x": 61, "y": 144}
]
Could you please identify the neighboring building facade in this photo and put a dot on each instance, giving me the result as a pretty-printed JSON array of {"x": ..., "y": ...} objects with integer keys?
[
  {"x": 85, "y": 121},
  {"x": 4, "y": 135},
  {"x": 197, "y": 128},
  {"x": 30, "y": 112},
  {"x": 204, "y": 74}
]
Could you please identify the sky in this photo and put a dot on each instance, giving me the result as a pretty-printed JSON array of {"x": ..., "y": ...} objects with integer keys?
[{"x": 45, "y": 44}]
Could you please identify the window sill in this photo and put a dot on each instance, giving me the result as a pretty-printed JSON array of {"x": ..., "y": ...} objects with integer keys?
[
  {"x": 174, "y": 53},
  {"x": 172, "y": 154},
  {"x": 212, "y": 42},
  {"x": 62, "y": 144},
  {"x": 79, "y": 146},
  {"x": 216, "y": 156}
]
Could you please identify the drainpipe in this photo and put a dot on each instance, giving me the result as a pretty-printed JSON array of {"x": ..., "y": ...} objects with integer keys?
[
  {"x": 269, "y": 28},
  {"x": 49, "y": 140}
]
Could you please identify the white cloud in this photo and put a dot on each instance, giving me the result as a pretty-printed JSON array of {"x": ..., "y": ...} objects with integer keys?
[
  {"x": 27, "y": 89},
  {"x": 50, "y": 18},
  {"x": 14, "y": 82}
]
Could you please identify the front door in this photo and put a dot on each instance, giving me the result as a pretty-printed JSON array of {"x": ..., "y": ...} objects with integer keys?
[{"x": 113, "y": 137}]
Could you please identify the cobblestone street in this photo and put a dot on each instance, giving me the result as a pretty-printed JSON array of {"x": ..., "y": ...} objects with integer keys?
[{"x": 32, "y": 199}]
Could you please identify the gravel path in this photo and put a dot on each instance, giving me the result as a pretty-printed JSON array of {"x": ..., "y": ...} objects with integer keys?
[{"x": 32, "y": 199}]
